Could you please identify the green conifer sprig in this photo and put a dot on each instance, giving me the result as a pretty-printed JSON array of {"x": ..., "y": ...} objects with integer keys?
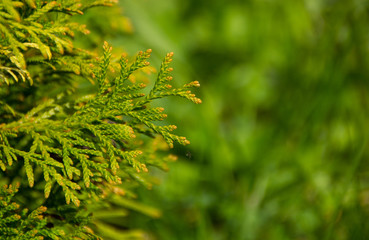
[
  {"x": 162, "y": 88},
  {"x": 90, "y": 145},
  {"x": 32, "y": 35},
  {"x": 22, "y": 225}
]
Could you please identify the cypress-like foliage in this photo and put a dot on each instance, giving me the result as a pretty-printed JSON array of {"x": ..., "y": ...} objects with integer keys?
[{"x": 69, "y": 149}]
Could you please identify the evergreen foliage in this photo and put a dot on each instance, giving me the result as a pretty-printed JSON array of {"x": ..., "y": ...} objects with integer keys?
[{"x": 71, "y": 148}]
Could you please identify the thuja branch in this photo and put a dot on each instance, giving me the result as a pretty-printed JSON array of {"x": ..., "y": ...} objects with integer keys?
[
  {"x": 32, "y": 34},
  {"x": 90, "y": 140}
]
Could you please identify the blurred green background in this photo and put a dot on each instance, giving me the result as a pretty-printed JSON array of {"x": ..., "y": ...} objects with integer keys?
[{"x": 279, "y": 146}]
